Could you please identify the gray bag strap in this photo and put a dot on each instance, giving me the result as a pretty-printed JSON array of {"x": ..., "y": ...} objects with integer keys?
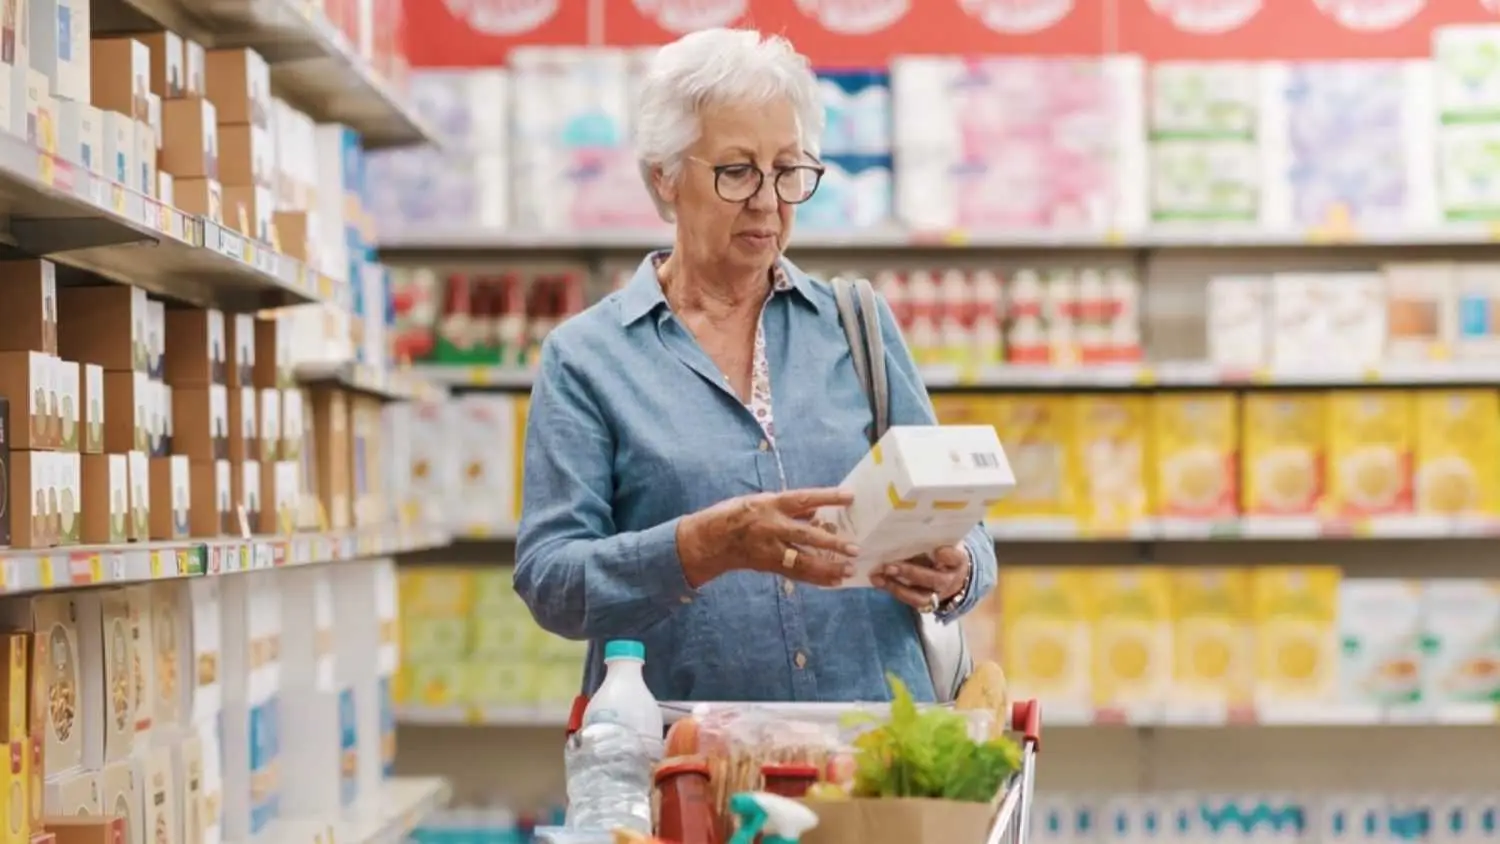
[{"x": 861, "y": 320}]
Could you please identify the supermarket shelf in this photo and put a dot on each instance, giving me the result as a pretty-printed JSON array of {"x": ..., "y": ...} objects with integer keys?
[
  {"x": 1169, "y": 375},
  {"x": 481, "y": 716},
  {"x": 450, "y": 239},
  {"x": 386, "y": 818},
  {"x": 80, "y": 220},
  {"x": 403, "y": 385},
  {"x": 1168, "y": 715},
  {"x": 67, "y": 568},
  {"x": 313, "y": 65},
  {"x": 1248, "y": 528}
]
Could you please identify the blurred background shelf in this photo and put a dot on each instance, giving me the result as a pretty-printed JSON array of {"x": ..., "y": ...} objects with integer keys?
[{"x": 313, "y": 63}]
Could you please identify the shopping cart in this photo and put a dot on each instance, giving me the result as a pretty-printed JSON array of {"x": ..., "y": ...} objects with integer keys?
[
  {"x": 1012, "y": 821},
  {"x": 1013, "y": 818}
]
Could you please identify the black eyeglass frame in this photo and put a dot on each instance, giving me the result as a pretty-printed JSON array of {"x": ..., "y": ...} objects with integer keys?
[{"x": 719, "y": 171}]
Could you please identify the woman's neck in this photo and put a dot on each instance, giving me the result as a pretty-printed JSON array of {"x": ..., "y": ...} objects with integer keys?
[{"x": 708, "y": 289}]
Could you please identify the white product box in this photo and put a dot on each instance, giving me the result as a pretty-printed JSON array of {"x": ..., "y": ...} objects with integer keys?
[
  {"x": 252, "y": 719},
  {"x": 1461, "y": 621},
  {"x": 119, "y": 155},
  {"x": 309, "y": 688},
  {"x": 1380, "y": 632},
  {"x": 1239, "y": 316},
  {"x": 921, "y": 487}
]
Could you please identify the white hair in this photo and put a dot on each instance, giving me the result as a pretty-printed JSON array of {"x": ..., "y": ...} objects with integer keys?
[{"x": 710, "y": 67}]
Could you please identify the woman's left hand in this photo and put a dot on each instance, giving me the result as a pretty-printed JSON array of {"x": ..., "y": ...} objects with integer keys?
[{"x": 924, "y": 583}]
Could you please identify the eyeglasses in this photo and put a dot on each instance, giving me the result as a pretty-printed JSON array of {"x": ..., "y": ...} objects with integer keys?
[{"x": 794, "y": 185}]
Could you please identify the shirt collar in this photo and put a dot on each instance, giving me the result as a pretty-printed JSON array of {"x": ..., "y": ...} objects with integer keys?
[{"x": 643, "y": 295}]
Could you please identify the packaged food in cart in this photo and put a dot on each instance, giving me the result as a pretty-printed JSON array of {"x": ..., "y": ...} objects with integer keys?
[{"x": 871, "y": 774}]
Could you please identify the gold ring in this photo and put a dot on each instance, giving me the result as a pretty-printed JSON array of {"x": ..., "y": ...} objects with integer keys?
[
  {"x": 933, "y": 601},
  {"x": 789, "y": 558}
]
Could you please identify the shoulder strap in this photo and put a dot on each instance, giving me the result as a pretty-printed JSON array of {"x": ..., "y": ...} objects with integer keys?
[{"x": 861, "y": 320}]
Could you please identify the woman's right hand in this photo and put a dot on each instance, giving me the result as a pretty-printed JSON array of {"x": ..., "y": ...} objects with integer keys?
[{"x": 769, "y": 532}]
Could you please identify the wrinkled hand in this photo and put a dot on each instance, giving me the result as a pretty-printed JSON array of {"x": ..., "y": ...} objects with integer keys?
[
  {"x": 769, "y": 532},
  {"x": 925, "y": 582}
]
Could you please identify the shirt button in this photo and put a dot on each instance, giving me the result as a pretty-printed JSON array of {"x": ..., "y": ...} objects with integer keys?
[
  {"x": 800, "y": 659},
  {"x": 764, "y": 445},
  {"x": 788, "y": 587}
]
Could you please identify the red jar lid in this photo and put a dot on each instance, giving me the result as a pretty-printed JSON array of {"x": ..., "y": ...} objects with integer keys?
[
  {"x": 681, "y": 765},
  {"x": 789, "y": 770}
]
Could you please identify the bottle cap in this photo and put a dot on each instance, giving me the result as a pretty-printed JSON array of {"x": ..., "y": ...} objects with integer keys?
[{"x": 624, "y": 649}]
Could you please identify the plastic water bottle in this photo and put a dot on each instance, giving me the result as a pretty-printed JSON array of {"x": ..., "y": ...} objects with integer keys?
[
  {"x": 623, "y": 697},
  {"x": 609, "y": 760}
]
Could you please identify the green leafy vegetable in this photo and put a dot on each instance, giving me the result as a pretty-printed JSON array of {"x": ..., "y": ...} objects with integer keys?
[{"x": 928, "y": 753}]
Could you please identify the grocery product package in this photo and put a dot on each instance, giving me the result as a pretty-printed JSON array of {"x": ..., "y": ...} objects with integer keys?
[
  {"x": 919, "y": 488},
  {"x": 904, "y": 821},
  {"x": 738, "y": 739}
]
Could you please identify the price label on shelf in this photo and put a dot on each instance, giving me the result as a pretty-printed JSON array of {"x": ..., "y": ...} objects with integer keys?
[
  {"x": 117, "y": 199},
  {"x": 46, "y": 168},
  {"x": 115, "y": 566},
  {"x": 44, "y": 572},
  {"x": 96, "y": 568},
  {"x": 156, "y": 566}
]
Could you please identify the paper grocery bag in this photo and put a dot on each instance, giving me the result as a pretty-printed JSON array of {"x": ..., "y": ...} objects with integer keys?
[{"x": 905, "y": 821}]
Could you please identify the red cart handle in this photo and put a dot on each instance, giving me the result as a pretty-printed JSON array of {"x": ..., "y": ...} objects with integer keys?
[{"x": 1026, "y": 719}]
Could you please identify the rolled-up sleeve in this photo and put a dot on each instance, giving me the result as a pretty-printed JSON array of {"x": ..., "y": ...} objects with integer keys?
[
  {"x": 580, "y": 577},
  {"x": 910, "y": 405}
]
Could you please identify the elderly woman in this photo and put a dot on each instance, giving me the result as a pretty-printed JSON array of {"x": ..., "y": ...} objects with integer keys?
[{"x": 683, "y": 430}]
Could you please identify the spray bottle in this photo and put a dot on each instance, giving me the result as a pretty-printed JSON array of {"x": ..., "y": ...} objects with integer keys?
[{"x": 775, "y": 819}]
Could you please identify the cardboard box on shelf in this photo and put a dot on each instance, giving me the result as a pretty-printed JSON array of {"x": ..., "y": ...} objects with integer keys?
[
  {"x": 249, "y": 210},
  {"x": 93, "y": 409},
  {"x": 127, "y": 411},
  {"x": 273, "y": 353},
  {"x": 200, "y": 422},
  {"x": 31, "y": 476},
  {"x": 138, "y": 470},
  {"x": 239, "y": 82},
  {"x": 24, "y": 381},
  {"x": 244, "y": 427},
  {"x": 245, "y": 493},
  {"x": 105, "y": 326},
  {"x": 70, "y": 392},
  {"x": 106, "y": 499},
  {"x": 73, "y": 794},
  {"x": 331, "y": 450},
  {"x": 121, "y": 76},
  {"x": 29, "y": 322},
  {"x": 86, "y": 828},
  {"x": 211, "y": 512},
  {"x": 171, "y": 497},
  {"x": 190, "y": 139},
  {"x": 69, "y": 469},
  {"x": 168, "y": 63},
  {"x": 121, "y": 797},
  {"x": 203, "y": 197},
  {"x": 198, "y": 353},
  {"x": 241, "y": 368}
]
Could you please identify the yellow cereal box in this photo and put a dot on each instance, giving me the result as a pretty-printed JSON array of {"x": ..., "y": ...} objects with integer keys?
[
  {"x": 1045, "y": 627},
  {"x": 1296, "y": 633},
  {"x": 1110, "y": 439},
  {"x": 1458, "y": 452},
  {"x": 1211, "y": 636},
  {"x": 1037, "y": 433},
  {"x": 523, "y": 407},
  {"x": 436, "y": 591},
  {"x": 1195, "y": 445},
  {"x": 1371, "y": 437},
  {"x": 1285, "y": 440},
  {"x": 1132, "y": 635}
]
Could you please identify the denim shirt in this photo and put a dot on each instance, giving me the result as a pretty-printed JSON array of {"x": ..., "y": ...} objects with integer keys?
[{"x": 632, "y": 426}]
